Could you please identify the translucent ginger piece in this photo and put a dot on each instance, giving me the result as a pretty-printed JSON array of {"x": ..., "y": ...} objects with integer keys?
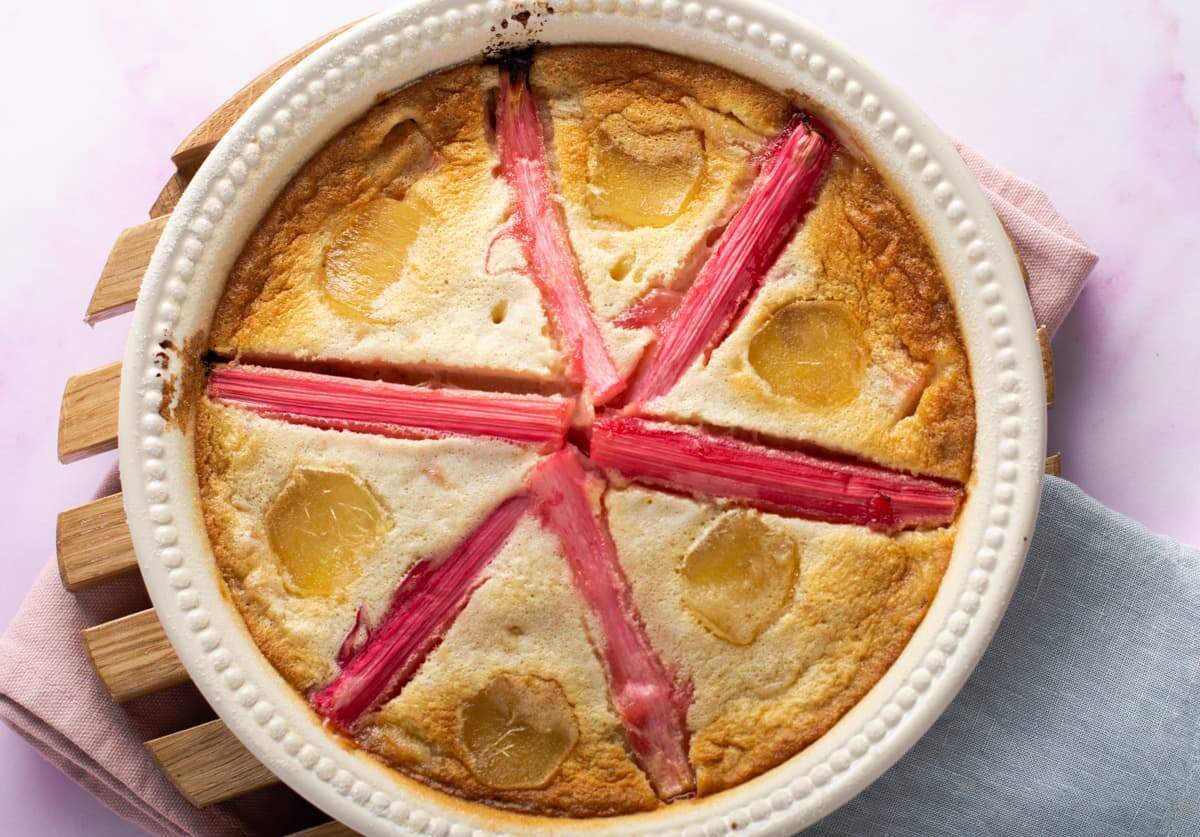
[
  {"x": 517, "y": 731},
  {"x": 738, "y": 575},
  {"x": 642, "y": 180},
  {"x": 321, "y": 525},
  {"x": 812, "y": 353},
  {"x": 369, "y": 255}
]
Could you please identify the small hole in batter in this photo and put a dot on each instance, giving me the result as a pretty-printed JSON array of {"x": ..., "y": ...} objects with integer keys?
[{"x": 621, "y": 268}]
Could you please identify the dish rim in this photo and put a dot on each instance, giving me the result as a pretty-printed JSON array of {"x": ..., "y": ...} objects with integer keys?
[{"x": 322, "y": 94}]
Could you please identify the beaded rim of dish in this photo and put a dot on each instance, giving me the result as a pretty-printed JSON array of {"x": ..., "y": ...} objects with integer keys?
[{"x": 784, "y": 799}]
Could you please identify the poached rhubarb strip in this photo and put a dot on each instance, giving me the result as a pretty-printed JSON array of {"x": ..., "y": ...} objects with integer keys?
[
  {"x": 792, "y": 169},
  {"x": 539, "y": 226},
  {"x": 388, "y": 409},
  {"x": 652, "y": 311},
  {"x": 650, "y": 703},
  {"x": 424, "y": 607},
  {"x": 789, "y": 482}
]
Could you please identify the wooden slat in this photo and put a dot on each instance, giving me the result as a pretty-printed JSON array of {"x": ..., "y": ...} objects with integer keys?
[
  {"x": 1047, "y": 363},
  {"x": 329, "y": 829},
  {"x": 164, "y": 204},
  {"x": 208, "y": 764},
  {"x": 133, "y": 657},
  {"x": 117, "y": 288},
  {"x": 197, "y": 145},
  {"x": 93, "y": 543},
  {"x": 87, "y": 423},
  {"x": 1054, "y": 464}
]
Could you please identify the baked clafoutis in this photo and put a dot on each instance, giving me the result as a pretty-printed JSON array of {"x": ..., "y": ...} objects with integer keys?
[{"x": 584, "y": 431}]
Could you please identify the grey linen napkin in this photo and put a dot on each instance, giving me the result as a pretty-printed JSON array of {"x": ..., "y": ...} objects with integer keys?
[{"x": 1083, "y": 716}]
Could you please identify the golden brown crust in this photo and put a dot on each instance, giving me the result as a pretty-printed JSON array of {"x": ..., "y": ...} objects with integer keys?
[
  {"x": 353, "y": 167},
  {"x": 612, "y": 78},
  {"x": 850, "y": 611},
  {"x": 865, "y": 604},
  {"x": 597, "y": 779},
  {"x": 220, "y": 448},
  {"x": 869, "y": 252},
  {"x": 518, "y": 623}
]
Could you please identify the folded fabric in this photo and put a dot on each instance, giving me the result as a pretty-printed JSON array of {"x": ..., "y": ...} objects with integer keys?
[
  {"x": 1056, "y": 259},
  {"x": 49, "y": 694},
  {"x": 1083, "y": 716}
]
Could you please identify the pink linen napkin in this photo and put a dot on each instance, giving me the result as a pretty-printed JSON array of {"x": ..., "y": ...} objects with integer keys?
[
  {"x": 50, "y": 695},
  {"x": 1056, "y": 258}
]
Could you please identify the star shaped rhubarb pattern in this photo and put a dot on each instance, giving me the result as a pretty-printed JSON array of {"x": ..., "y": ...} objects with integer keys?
[{"x": 603, "y": 433}]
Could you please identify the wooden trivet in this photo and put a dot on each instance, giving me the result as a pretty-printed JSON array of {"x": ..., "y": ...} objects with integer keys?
[{"x": 132, "y": 655}]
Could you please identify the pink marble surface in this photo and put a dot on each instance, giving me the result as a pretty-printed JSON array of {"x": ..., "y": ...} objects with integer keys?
[{"x": 1096, "y": 102}]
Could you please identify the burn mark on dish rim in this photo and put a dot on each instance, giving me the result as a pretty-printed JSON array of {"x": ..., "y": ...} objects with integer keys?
[
  {"x": 184, "y": 384},
  {"x": 507, "y": 38}
]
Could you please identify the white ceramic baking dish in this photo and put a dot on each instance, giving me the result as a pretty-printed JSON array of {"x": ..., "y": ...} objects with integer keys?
[{"x": 337, "y": 83}]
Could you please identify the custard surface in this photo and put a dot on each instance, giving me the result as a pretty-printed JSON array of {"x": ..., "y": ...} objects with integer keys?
[{"x": 851, "y": 347}]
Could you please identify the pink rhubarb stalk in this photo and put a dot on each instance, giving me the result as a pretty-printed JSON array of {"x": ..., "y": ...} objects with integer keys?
[
  {"x": 786, "y": 481},
  {"x": 392, "y": 409},
  {"x": 651, "y": 704},
  {"x": 652, "y": 311},
  {"x": 354, "y": 640},
  {"x": 539, "y": 226},
  {"x": 424, "y": 607},
  {"x": 792, "y": 169}
]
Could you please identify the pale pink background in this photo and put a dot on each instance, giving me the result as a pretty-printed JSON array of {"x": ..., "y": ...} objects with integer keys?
[{"x": 1095, "y": 102}]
